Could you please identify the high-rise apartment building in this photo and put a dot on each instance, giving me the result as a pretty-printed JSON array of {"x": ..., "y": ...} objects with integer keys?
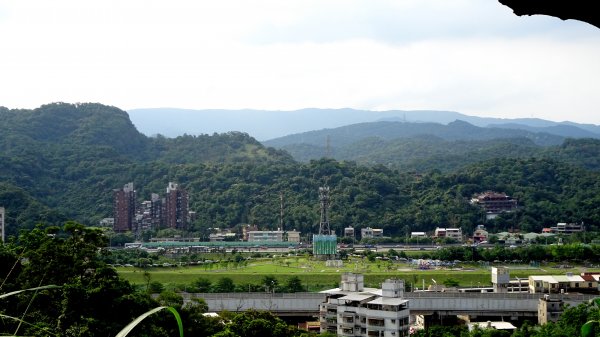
[
  {"x": 124, "y": 208},
  {"x": 156, "y": 210},
  {"x": 176, "y": 207}
]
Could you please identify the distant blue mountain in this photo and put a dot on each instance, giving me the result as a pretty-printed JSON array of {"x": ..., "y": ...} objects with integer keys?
[
  {"x": 390, "y": 130},
  {"x": 264, "y": 125}
]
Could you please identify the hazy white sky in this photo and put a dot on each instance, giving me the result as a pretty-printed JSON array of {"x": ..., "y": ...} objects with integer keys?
[{"x": 471, "y": 56}]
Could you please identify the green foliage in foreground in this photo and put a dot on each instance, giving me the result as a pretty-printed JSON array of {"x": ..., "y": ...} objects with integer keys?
[{"x": 90, "y": 299}]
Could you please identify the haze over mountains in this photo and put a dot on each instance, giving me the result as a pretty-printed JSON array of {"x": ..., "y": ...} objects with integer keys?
[{"x": 265, "y": 125}]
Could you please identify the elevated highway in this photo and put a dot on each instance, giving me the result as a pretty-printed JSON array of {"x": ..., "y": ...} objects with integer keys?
[{"x": 421, "y": 303}]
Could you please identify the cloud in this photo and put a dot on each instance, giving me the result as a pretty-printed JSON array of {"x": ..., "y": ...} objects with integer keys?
[
  {"x": 472, "y": 56},
  {"x": 408, "y": 21}
]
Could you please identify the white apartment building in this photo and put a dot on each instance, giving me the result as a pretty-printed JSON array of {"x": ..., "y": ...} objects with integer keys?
[
  {"x": 353, "y": 310},
  {"x": 370, "y": 233},
  {"x": 255, "y": 236}
]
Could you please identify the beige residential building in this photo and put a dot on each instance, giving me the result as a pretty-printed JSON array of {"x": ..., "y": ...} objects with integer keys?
[
  {"x": 293, "y": 236},
  {"x": 452, "y": 233}
]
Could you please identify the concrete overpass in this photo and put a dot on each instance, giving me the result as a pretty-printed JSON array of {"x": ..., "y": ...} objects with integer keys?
[{"x": 513, "y": 305}]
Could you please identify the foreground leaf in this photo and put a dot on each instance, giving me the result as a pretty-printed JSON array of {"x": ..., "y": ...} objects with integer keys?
[
  {"x": 27, "y": 323},
  {"x": 587, "y": 330},
  {"x": 30, "y": 289},
  {"x": 136, "y": 321}
]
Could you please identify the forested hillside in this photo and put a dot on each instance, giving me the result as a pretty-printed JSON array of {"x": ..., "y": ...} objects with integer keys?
[
  {"x": 64, "y": 160},
  {"x": 432, "y": 146},
  {"x": 68, "y": 169}
]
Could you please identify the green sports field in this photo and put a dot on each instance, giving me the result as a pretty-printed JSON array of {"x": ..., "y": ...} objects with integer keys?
[{"x": 315, "y": 275}]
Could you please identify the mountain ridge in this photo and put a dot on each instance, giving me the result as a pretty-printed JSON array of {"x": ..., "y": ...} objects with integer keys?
[{"x": 259, "y": 123}]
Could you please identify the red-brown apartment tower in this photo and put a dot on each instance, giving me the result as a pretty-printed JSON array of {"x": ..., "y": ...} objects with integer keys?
[
  {"x": 176, "y": 207},
  {"x": 124, "y": 208}
]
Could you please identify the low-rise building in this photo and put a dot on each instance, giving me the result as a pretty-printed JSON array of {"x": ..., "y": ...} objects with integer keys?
[
  {"x": 256, "y": 236},
  {"x": 480, "y": 234},
  {"x": 353, "y": 310},
  {"x": 549, "y": 284},
  {"x": 452, "y": 233},
  {"x": 419, "y": 235},
  {"x": 107, "y": 222},
  {"x": 567, "y": 228},
  {"x": 293, "y": 236},
  {"x": 349, "y": 232},
  {"x": 370, "y": 233}
]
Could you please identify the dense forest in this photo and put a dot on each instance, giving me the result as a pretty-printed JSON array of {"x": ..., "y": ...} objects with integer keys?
[
  {"x": 430, "y": 146},
  {"x": 61, "y": 162}
]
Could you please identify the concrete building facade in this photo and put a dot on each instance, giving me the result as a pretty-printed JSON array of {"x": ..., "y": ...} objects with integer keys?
[{"x": 549, "y": 309}]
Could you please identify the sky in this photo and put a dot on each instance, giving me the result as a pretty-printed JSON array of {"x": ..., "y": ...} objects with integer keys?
[{"x": 471, "y": 56}]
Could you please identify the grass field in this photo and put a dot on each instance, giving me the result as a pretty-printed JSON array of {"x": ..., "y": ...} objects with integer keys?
[{"x": 316, "y": 276}]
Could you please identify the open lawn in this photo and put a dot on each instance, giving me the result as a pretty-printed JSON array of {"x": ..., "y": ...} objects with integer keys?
[{"x": 316, "y": 276}]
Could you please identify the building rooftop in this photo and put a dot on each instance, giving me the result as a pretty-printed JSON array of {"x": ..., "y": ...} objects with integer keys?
[
  {"x": 495, "y": 325},
  {"x": 338, "y": 291},
  {"x": 357, "y": 297},
  {"x": 389, "y": 301}
]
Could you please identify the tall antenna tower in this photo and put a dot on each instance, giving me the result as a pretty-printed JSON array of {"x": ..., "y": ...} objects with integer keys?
[
  {"x": 280, "y": 211},
  {"x": 324, "y": 228}
]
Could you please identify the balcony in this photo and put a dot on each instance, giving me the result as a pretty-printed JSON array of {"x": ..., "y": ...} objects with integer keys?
[
  {"x": 347, "y": 332},
  {"x": 375, "y": 334},
  {"x": 376, "y": 322}
]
